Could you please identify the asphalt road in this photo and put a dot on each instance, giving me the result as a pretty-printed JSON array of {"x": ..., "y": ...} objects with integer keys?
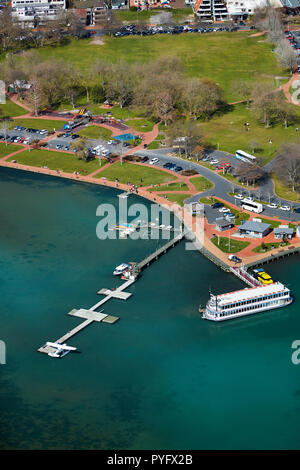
[{"x": 222, "y": 187}]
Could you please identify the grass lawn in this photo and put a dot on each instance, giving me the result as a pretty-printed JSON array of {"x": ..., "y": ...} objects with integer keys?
[
  {"x": 124, "y": 113},
  {"x": 140, "y": 125},
  {"x": 178, "y": 198},
  {"x": 96, "y": 132},
  {"x": 201, "y": 183},
  {"x": 203, "y": 55},
  {"x": 6, "y": 150},
  {"x": 39, "y": 123},
  {"x": 155, "y": 144},
  {"x": 229, "y": 246},
  {"x": 264, "y": 247},
  {"x": 281, "y": 190},
  {"x": 56, "y": 161},
  {"x": 135, "y": 174},
  {"x": 206, "y": 200},
  {"x": 10, "y": 109},
  {"x": 228, "y": 131},
  {"x": 171, "y": 187}
]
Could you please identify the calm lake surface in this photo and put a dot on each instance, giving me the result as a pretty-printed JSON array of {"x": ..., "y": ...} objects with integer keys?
[{"x": 160, "y": 378}]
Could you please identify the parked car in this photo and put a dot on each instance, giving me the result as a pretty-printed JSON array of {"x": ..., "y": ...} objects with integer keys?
[
  {"x": 272, "y": 205},
  {"x": 234, "y": 258},
  {"x": 224, "y": 209},
  {"x": 153, "y": 161},
  {"x": 144, "y": 159},
  {"x": 285, "y": 208}
]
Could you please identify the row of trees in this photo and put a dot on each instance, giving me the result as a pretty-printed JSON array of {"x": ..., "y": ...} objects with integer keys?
[
  {"x": 159, "y": 86},
  {"x": 269, "y": 19},
  {"x": 15, "y": 37}
]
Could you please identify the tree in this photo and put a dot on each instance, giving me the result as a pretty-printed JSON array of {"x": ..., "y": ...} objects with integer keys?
[
  {"x": 5, "y": 125},
  {"x": 210, "y": 98},
  {"x": 188, "y": 137},
  {"x": 82, "y": 150},
  {"x": 253, "y": 144},
  {"x": 264, "y": 103},
  {"x": 249, "y": 172},
  {"x": 36, "y": 95},
  {"x": 285, "y": 112},
  {"x": 243, "y": 89},
  {"x": 10, "y": 29},
  {"x": 163, "y": 106},
  {"x": 287, "y": 165},
  {"x": 286, "y": 54},
  {"x": 268, "y": 19}
]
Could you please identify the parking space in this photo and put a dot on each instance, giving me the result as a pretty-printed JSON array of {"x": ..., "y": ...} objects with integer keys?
[
  {"x": 130, "y": 30},
  {"x": 23, "y": 135},
  {"x": 97, "y": 146}
]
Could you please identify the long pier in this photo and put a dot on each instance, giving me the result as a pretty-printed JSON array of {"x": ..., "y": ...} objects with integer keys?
[
  {"x": 159, "y": 252},
  {"x": 91, "y": 315}
]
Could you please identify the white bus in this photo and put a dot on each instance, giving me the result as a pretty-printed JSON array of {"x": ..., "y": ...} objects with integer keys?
[
  {"x": 244, "y": 156},
  {"x": 252, "y": 206}
]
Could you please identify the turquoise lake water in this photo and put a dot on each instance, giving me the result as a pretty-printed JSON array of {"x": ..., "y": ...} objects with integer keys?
[{"x": 160, "y": 378}]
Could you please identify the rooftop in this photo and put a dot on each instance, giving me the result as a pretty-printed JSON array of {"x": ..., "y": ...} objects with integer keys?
[
  {"x": 250, "y": 293},
  {"x": 251, "y": 226},
  {"x": 282, "y": 230}
]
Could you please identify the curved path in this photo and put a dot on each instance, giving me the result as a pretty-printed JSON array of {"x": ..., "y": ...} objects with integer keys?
[{"x": 222, "y": 186}]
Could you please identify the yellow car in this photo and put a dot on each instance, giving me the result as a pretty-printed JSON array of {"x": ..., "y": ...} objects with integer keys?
[{"x": 264, "y": 278}]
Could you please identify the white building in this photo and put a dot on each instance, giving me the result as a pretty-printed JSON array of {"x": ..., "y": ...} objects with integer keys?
[
  {"x": 247, "y": 7},
  {"x": 225, "y": 9},
  {"x": 29, "y": 10}
]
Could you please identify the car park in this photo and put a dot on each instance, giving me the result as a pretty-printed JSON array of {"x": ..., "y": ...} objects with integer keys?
[{"x": 178, "y": 168}]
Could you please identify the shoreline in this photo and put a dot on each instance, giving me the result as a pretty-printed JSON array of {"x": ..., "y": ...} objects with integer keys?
[{"x": 206, "y": 248}]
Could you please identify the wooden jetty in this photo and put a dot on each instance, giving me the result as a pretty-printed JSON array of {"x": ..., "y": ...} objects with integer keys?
[
  {"x": 159, "y": 252},
  {"x": 91, "y": 315}
]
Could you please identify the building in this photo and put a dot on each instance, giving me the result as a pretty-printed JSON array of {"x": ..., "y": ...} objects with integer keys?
[
  {"x": 211, "y": 9},
  {"x": 100, "y": 12},
  {"x": 146, "y": 4},
  {"x": 283, "y": 231},
  {"x": 254, "y": 229},
  {"x": 194, "y": 208},
  {"x": 238, "y": 9},
  {"x": 223, "y": 224},
  {"x": 32, "y": 10}
]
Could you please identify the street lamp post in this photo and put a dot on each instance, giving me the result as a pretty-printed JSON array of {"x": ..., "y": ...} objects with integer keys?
[{"x": 270, "y": 142}]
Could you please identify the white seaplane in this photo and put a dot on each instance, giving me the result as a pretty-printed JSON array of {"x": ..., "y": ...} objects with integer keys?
[{"x": 60, "y": 349}]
